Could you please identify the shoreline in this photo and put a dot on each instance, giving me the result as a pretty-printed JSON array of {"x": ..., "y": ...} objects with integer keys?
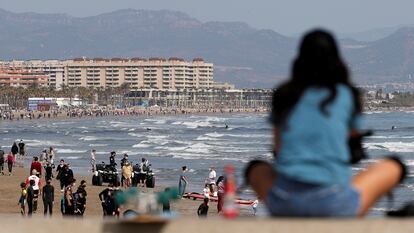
[{"x": 91, "y": 113}]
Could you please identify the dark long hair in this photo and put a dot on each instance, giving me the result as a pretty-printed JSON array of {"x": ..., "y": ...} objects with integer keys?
[{"x": 318, "y": 64}]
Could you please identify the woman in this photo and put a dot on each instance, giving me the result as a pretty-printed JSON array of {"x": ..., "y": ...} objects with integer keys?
[
  {"x": 220, "y": 193},
  {"x": 182, "y": 183},
  {"x": 10, "y": 162},
  {"x": 314, "y": 114},
  {"x": 127, "y": 174}
]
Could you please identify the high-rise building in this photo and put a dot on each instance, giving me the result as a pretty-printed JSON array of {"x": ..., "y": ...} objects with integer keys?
[
  {"x": 15, "y": 77},
  {"x": 136, "y": 73}
]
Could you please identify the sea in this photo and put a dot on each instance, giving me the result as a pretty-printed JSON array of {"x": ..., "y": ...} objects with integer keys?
[{"x": 198, "y": 142}]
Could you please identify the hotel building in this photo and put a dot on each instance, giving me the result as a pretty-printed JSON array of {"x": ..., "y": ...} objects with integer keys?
[{"x": 137, "y": 73}]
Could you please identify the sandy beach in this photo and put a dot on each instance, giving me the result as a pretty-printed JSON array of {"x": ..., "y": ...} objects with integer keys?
[{"x": 10, "y": 193}]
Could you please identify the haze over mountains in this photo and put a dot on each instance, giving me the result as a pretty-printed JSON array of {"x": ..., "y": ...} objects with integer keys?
[{"x": 242, "y": 55}]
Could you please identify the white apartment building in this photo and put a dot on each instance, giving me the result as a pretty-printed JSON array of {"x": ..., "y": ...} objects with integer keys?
[{"x": 154, "y": 73}]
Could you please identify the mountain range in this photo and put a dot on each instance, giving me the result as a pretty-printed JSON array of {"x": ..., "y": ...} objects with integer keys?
[{"x": 243, "y": 55}]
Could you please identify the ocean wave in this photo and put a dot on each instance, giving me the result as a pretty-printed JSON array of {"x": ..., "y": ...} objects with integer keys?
[
  {"x": 391, "y": 146},
  {"x": 206, "y": 138},
  {"x": 72, "y": 157},
  {"x": 142, "y": 144},
  {"x": 214, "y": 135},
  {"x": 70, "y": 151},
  {"x": 97, "y": 145}
]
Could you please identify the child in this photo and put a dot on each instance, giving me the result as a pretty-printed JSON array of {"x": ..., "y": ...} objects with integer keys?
[
  {"x": 203, "y": 209},
  {"x": 206, "y": 191},
  {"x": 10, "y": 162},
  {"x": 22, "y": 200}
]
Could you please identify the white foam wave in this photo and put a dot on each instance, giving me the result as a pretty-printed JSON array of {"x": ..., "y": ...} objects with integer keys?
[
  {"x": 97, "y": 145},
  {"x": 214, "y": 135},
  {"x": 142, "y": 144},
  {"x": 204, "y": 138},
  {"x": 391, "y": 146},
  {"x": 70, "y": 151}
]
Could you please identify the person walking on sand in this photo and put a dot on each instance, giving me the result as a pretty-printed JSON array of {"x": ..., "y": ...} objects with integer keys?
[
  {"x": 48, "y": 197},
  {"x": 36, "y": 165},
  {"x": 51, "y": 154},
  {"x": 60, "y": 170},
  {"x": 37, "y": 185},
  {"x": 127, "y": 174},
  {"x": 69, "y": 197},
  {"x": 2, "y": 160},
  {"x": 182, "y": 183},
  {"x": 103, "y": 196},
  {"x": 22, "y": 199},
  {"x": 30, "y": 198},
  {"x": 14, "y": 149},
  {"x": 10, "y": 162}
]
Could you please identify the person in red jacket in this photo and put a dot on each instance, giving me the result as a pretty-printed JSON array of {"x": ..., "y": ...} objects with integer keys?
[
  {"x": 36, "y": 165},
  {"x": 10, "y": 162}
]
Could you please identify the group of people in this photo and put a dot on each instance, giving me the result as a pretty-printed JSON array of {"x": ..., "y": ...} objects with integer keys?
[{"x": 16, "y": 154}]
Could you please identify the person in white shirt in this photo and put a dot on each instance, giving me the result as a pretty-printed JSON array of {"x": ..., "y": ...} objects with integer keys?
[
  {"x": 36, "y": 187},
  {"x": 93, "y": 160},
  {"x": 212, "y": 180}
]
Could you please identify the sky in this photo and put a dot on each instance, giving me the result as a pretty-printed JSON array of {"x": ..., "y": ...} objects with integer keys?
[{"x": 288, "y": 17}]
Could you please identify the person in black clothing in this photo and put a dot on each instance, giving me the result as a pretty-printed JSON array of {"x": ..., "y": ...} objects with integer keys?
[
  {"x": 48, "y": 196},
  {"x": 104, "y": 196},
  {"x": 48, "y": 169},
  {"x": 80, "y": 198},
  {"x": 15, "y": 149},
  {"x": 22, "y": 151},
  {"x": 112, "y": 159},
  {"x": 203, "y": 209},
  {"x": 30, "y": 197},
  {"x": 2, "y": 159},
  {"x": 59, "y": 176},
  {"x": 66, "y": 176}
]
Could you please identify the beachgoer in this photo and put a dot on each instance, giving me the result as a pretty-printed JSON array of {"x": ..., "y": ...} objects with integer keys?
[
  {"x": 48, "y": 197},
  {"x": 314, "y": 114},
  {"x": 2, "y": 160},
  {"x": 123, "y": 162},
  {"x": 36, "y": 165},
  {"x": 117, "y": 206},
  {"x": 30, "y": 198},
  {"x": 212, "y": 180},
  {"x": 81, "y": 198},
  {"x": 202, "y": 210},
  {"x": 141, "y": 173},
  {"x": 69, "y": 198},
  {"x": 220, "y": 193},
  {"x": 36, "y": 187},
  {"x": 254, "y": 206},
  {"x": 206, "y": 191},
  {"x": 93, "y": 160},
  {"x": 10, "y": 162},
  {"x": 51, "y": 155},
  {"x": 22, "y": 199},
  {"x": 112, "y": 159},
  {"x": 22, "y": 148},
  {"x": 14, "y": 149},
  {"x": 103, "y": 196},
  {"x": 183, "y": 181},
  {"x": 60, "y": 171},
  {"x": 48, "y": 171},
  {"x": 127, "y": 174}
]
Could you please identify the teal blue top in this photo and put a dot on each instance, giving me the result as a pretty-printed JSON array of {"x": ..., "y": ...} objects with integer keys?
[{"x": 313, "y": 146}]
